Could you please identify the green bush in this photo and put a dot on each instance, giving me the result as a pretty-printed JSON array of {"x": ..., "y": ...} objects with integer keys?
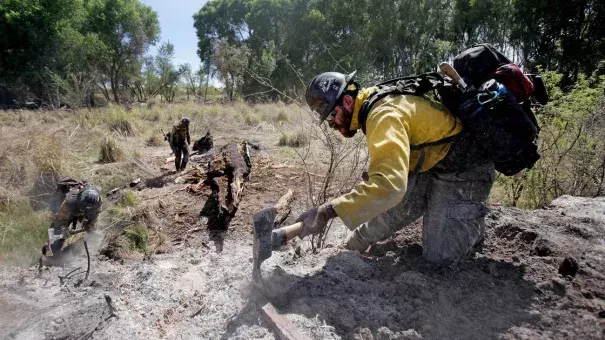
[
  {"x": 23, "y": 231},
  {"x": 138, "y": 236},
  {"x": 128, "y": 199}
]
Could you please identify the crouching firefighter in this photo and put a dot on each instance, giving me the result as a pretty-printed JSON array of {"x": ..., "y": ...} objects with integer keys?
[
  {"x": 179, "y": 143},
  {"x": 421, "y": 164},
  {"x": 81, "y": 204}
]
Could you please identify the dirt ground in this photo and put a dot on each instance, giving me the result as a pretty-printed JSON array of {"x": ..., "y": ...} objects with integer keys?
[{"x": 541, "y": 275}]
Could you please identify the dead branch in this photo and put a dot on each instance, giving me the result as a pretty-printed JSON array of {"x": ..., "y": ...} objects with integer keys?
[{"x": 199, "y": 311}]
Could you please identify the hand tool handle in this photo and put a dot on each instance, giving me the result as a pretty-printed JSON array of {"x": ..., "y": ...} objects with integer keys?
[
  {"x": 449, "y": 71},
  {"x": 281, "y": 236},
  {"x": 293, "y": 230}
]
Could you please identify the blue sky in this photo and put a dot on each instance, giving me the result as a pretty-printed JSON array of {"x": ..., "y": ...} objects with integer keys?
[{"x": 176, "y": 23}]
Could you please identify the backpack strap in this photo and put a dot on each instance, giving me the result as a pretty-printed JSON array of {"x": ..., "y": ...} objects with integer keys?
[
  {"x": 413, "y": 85},
  {"x": 367, "y": 104},
  {"x": 417, "y": 85},
  {"x": 421, "y": 147},
  {"x": 445, "y": 140}
]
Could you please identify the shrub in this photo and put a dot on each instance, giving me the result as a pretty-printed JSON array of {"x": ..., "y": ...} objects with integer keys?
[
  {"x": 122, "y": 126},
  {"x": 120, "y": 121},
  {"x": 153, "y": 116},
  {"x": 251, "y": 119},
  {"x": 128, "y": 199}
]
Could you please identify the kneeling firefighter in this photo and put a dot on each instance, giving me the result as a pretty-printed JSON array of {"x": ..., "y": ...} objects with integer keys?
[
  {"x": 421, "y": 164},
  {"x": 81, "y": 204}
]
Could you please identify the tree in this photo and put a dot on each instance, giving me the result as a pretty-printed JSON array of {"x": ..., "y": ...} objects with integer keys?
[
  {"x": 194, "y": 80},
  {"x": 564, "y": 36},
  {"x": 231, "y": 62},
  {"x": 127, "y": 28},
  {"x": 55, "y": 50},
  {"x": 34, "y": 38},
  {"x": 158, "y": 76}
]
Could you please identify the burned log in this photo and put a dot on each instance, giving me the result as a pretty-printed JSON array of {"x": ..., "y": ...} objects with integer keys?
[
  {"x": 204, "y": 144},
  {"x": 227, "y": 173}
]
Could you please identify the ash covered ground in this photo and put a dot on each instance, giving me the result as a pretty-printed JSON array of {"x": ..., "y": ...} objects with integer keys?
[{"x": 541, "y": 275}]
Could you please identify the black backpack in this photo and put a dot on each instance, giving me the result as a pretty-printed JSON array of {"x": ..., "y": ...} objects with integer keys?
[{"x": 501, "y": 127}]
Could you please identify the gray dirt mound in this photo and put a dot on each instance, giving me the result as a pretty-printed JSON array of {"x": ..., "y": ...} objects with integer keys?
[{"x": 540, "y": 276}]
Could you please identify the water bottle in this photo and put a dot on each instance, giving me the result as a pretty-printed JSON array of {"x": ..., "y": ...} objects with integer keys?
[{"x": 490, "y": 91}]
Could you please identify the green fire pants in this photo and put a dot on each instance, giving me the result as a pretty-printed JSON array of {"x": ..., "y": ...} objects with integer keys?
[{"x": 453, "y": 210}]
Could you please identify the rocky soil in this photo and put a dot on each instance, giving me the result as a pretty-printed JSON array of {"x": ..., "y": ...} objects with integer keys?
[{"x": 541, "y": 275}]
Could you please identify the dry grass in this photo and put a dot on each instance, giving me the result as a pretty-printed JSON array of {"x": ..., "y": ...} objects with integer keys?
[
  {"x": 282, "y": 116},
  {"x": 98, "y": 145},
  {"x": 122, "y": 127},
  {"x": 48, "y": 153},
  {"x": 22, "y": 231},
  {"x": 296, "y": 140},
  {"x": 138, "y": 237},
  {"x": 155, "y": 140},
  {"x": 110, "y": 151}
]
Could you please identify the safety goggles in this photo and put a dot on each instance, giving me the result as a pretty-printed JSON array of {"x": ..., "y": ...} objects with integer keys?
[{"x": 332, "y": 113}]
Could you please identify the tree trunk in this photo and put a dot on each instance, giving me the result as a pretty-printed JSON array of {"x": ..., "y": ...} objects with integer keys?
[
  {"x": 114, "y": 90},
  {"x": 105, "y": 91},
  {"x": 207, "y": 81},
  {"x": 115, "y": 86}
]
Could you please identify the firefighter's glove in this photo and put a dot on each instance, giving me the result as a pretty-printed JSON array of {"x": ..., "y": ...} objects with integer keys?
[{"x": 315, "y": 219}]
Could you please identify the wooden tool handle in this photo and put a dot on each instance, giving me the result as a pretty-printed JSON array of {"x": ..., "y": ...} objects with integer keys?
[
  {"x": 293, "y": 230},
  {"x": 449, "y": 71},
  {"x": 281, "y": 236}
]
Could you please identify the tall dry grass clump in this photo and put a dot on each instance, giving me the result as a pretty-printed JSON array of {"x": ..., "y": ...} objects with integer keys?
[
  {"x": 48, "y": 153},
  {"x": 296, "y": 140},
  {"x": 110, "y": 151},
  {"x": 154, "y": 140},
  {"x": 282, "y": 116},
  {"x": 122, "y": 126},
  {"x": 120, "y": 121}
]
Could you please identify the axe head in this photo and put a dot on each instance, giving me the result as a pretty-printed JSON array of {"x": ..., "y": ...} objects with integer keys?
[{"x": 262, "y": 248}]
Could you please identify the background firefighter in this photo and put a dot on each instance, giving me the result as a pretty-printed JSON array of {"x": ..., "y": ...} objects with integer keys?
[{"x": 179, "y": 143}]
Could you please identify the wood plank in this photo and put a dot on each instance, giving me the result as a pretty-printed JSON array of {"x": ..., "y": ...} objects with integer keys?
[{"x": 284, "y": 328}]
